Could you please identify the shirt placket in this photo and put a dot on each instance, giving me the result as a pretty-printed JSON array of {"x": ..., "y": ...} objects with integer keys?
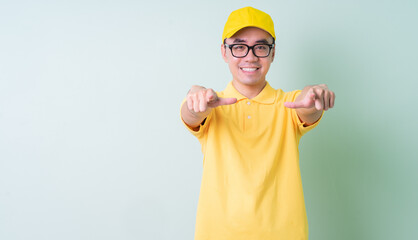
[{"x": 248, "y": 114}]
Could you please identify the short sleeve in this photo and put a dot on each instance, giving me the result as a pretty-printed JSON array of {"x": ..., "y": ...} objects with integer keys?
[{"x": 302, "y": 129}]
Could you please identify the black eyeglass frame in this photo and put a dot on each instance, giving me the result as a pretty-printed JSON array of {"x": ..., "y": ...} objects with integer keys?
[{"x": 250, "y": 48}]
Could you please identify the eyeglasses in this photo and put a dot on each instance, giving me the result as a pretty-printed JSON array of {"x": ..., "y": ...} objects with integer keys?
[{"x": 241, "y": 50}]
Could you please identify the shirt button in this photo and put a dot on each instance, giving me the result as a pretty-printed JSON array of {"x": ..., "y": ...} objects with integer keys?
[
  {"x": 248, "y": 103},
  {"x": 249, "y": 117}
]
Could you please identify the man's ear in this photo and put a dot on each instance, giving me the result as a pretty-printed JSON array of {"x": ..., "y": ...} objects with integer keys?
[
  {"x": 273, "y": 53},
  {"x": 223, "y": 52}
]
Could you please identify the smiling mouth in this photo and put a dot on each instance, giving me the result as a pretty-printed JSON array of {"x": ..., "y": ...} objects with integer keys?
[{"x": 245, "y": 69}]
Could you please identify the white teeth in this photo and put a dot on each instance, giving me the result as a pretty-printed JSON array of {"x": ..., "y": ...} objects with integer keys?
[{"x": 249, "y": 69}]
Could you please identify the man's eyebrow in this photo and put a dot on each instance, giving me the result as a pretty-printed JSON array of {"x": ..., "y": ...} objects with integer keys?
[
  {"x": 239, "y": 40},
  {"x": 263, "y": 41}
]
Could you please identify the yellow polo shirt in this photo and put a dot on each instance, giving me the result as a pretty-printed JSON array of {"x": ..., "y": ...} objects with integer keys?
[{"x": 251, "y": 184}]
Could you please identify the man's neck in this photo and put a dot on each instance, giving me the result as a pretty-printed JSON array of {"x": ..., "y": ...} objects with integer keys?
[{"x": 249, "y": 91}]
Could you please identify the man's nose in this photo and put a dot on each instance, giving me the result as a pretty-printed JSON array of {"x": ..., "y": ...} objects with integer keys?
[{"x": 251, "y": 57}]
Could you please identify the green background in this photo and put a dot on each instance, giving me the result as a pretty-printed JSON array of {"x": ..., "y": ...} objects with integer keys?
[
  {"x": 359, "y": 167},
  {"x": 91, "y": 143}
]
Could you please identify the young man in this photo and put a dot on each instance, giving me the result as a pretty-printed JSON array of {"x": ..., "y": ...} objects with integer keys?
[{"x": 251, "y": 184}]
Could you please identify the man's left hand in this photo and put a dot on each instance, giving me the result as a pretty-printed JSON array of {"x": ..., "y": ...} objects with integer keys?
[{"x": 318, "y": 96}]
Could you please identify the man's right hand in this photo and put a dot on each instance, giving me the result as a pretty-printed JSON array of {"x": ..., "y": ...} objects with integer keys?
[
  {"x": 199, "y": 102},
  {"x": 200, "y": 99}
]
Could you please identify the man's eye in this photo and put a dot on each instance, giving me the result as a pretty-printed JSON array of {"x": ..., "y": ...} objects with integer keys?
[
  {"x": 239, "y": 47},
  {"x": 261, "y": 47}
]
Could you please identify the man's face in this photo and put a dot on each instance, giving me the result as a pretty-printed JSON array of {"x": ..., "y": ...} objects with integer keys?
[{"x": 250, "y": 70}]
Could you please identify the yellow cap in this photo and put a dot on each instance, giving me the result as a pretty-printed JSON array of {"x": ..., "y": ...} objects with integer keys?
[{"x": 247, "y": 17}]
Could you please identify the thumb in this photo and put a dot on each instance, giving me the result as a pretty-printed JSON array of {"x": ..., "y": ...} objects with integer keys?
[
  {"x": 215, "y": 101},
  {"x": 294, "y": 104},
  {"x": 222, "y": 101},
  {"x": 226, "y": 101},
  {"x": 306, "y": 102}
]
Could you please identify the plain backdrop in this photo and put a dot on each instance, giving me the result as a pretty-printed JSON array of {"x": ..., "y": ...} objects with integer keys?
[{"x": 91, "y": 142}]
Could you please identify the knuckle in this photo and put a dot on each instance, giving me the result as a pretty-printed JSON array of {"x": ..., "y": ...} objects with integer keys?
[
  {"x": 210, "y": 92},
  {"x": 196, "y": 88}
]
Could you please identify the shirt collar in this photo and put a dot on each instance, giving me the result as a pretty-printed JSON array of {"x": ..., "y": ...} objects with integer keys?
[{"x": 266, "y": 96}]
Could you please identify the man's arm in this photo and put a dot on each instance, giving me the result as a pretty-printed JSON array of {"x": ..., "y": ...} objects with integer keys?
[
  {"x": 311, "y": 102},
  {"x": 199, "y": 103}
]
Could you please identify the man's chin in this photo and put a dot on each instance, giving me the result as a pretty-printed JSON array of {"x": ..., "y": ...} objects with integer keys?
[{"x": 251, "y": 82}]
